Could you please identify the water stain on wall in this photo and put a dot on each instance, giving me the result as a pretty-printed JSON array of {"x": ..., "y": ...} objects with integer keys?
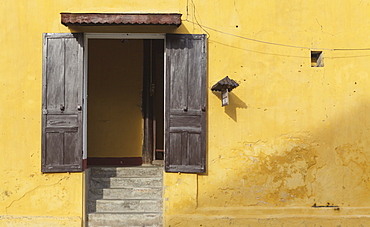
[
  {"x": 262, "y": 174},
  {"x": 282, "y": 176}
]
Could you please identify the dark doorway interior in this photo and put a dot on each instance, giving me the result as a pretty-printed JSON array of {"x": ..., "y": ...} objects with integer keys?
[
  {"x": 125, "y": 102},
  {"x": 153, "y": 102}
]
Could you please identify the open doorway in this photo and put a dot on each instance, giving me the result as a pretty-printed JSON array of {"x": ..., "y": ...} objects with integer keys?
[
  {"x": 64, "y": 113},
  {"x": 125, "y": 123}
]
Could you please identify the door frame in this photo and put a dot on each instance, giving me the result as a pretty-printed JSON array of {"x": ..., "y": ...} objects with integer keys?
[{"x": 88, "y": 36}]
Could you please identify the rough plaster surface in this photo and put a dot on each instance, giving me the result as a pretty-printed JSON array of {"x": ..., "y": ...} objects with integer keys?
[{"x": 293, "y": 136}]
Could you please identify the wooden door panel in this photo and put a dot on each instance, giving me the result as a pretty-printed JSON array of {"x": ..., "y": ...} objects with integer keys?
[
  {"x": 178, "y": 90},
  {"x": 175, "y": 144},
  {"x": 61, "y": 121},
  {"x": 54, "y": 94},
  {"x": 73, "y": 76},
  {"x": 185, "y": 121},
  {"x": 185, "y": 149},
  {"x": 62, "y": 96},
  {"x": 195, "y": 157},
  {"x": 196, "y": 86},
  {"x": 54, "y": 147},
  {"x": 71, "y": 143}
]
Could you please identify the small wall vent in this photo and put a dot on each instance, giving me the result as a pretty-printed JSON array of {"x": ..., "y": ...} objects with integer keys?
[{"x": 317, "y": 59}]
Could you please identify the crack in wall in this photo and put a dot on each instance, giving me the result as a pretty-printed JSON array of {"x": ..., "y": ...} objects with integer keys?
[{"x": 30, "y": 191}]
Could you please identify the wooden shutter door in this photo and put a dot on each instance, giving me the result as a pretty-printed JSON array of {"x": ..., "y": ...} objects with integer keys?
[
  {"x": 62, "y": 102},
  {"x": 185, "y": 135}
]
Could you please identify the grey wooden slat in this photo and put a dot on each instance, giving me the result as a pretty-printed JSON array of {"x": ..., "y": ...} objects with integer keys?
[
  {"x": 61, "y": 120},
  {"x": 55, "y": 168},
  {"x": 51, "y": 36},
  {"x": 71, "y": 143},
  {"x": 187, "y": 168},
  {"x": 54, "y": 141},
  {"x": 61, "y": 129},
  {"x": 188, "y": 113},
  {"x": 176, "y": 141},
  {"x": 185, "y": 121},
  {"x": 73, "y": 75},
  {"x": 195, "y": 157},
  {"x": 185, "y": 129},
  {"x": 185, "y": 103},
  {"x": 195, "y": 86},
  {"x": 55, "y": 94},
  {"x": 58, "y": 112},
  {"x": 62, "y": 86},
  {"x": 184, "y": 146},
  {"x": 178, "y": 91}
]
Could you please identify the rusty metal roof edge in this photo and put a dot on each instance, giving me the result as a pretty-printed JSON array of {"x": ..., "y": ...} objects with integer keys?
[
  {"x": 123, "y": 13},
  {"x": 88, "y": 19}
]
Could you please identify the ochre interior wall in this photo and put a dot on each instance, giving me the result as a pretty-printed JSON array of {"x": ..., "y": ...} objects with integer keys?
[{"x": 115, "y": 80}]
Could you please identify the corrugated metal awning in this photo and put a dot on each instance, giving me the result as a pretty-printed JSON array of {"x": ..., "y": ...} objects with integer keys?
[
  {"x": 225, "y": 83},
  {"x": 96, "y": 19}
]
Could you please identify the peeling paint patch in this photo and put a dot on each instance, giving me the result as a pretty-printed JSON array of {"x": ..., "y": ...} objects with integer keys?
[
  {"x": 351, "y": 153},
  {"x": 280, "y": 177},
  {"x": 276, "y": 173}
]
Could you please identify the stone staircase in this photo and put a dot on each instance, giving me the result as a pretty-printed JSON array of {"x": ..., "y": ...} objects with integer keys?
[{"x": 124, "y": 196}]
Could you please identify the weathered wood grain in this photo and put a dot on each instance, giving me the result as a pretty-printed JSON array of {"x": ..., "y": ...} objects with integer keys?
[
  {"x": 62, "y": 94},
  {"x": 185, "y": 103}
]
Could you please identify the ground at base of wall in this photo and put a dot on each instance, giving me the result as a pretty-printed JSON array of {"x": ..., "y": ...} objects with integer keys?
[
  {"x": 283, "y": 220},
  {"x": 39, "y": 221}
]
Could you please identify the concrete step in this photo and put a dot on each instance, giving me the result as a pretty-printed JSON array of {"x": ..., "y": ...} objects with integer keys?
[
  {"x": 120, "y": 182},
  {"x": 140, "y": 171},
  {"x": 125, "y": 193},
  {"x": 125, "y": 196},
  {"x": 128, "y": 205},
  {"x": 125, "y": 219}
]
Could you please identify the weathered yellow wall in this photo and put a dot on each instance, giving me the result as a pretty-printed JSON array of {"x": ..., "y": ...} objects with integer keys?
[
  {"x": 115, "y": 75},
  {"x": 28, "y": 197},
  {"x": 293, "y": 136}
]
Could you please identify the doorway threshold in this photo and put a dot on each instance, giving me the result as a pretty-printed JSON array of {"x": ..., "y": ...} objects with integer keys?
[
  {"x": 114, "y": 161},
  {"x": 158, "y": 162}
]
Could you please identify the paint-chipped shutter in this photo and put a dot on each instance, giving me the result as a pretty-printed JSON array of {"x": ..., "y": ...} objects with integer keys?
[
  {"x": 62, "y": 102},
  {"x": 185, "y": 103}
]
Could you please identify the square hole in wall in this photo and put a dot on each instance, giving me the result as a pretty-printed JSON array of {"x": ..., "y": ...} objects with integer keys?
[{"x": 317, "y": 59}]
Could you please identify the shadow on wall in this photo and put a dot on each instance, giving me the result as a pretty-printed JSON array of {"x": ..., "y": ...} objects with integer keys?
[
  {"x": 324, "y": 163},
  {"x": 235, "y": 102}
]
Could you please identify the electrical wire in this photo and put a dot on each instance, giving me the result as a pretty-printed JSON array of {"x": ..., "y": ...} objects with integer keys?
[{"x": 257, "y": 40}]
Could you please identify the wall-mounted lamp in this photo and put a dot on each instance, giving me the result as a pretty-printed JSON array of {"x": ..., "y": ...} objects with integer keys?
[{"x": 225, "y": 86}]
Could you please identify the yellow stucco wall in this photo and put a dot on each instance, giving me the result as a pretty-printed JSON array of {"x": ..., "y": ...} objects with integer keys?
[
  {"x": 293, "y": 136},
  {"x": 115, "y": 81}
]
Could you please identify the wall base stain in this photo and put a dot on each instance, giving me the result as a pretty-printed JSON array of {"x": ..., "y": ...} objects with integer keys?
[
  {"x": 39, "y": 221},
  {"x": 282, "y": 220}
]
